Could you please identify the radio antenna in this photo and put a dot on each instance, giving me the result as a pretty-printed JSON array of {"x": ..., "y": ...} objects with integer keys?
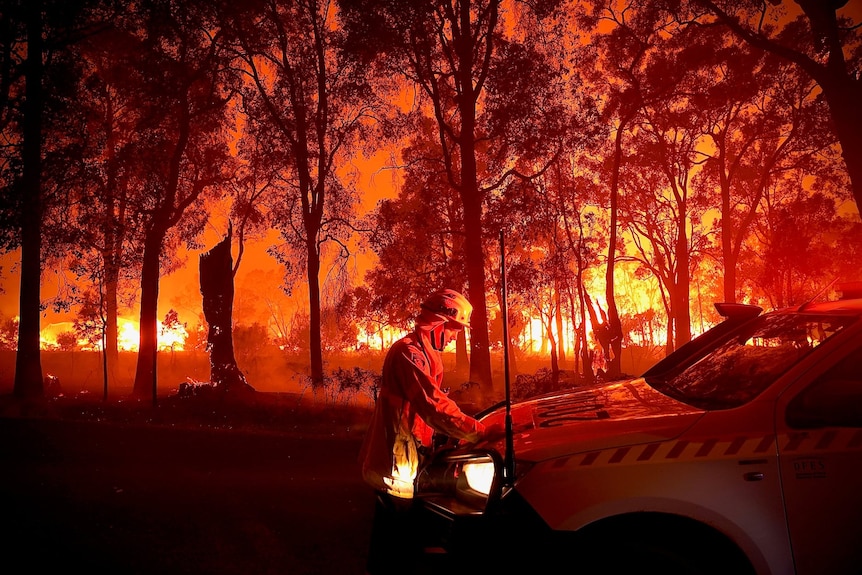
[{"x": 509, "y": 458}]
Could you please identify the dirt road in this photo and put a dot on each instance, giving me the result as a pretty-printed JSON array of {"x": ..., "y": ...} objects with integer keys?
[{"x": 96, "y": 498}]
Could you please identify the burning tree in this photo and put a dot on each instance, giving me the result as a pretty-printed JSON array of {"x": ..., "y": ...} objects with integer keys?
[{"x": 216, "y": 267}]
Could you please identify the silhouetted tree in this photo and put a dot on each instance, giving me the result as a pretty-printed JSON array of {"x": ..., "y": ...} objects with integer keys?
[
  {"x": 28, "y": 366},
  {"x": 216, "y": 272},
  {"x": 489, "y": 95},
  {"x": 251, "y": 341},
  {"x": 415, "y": 237},
  {"x": 35, "y": 35},
  {"x": 581, "y": 236},
  {"x": 407, "y": 271},
  {"x": 765, "y": 124},
  {"x": 305, "y": 100},
  {"x": 187, "y": 153},
  {"x": 788, "y": 263},
  {"x": 114, "y": 126},
  {"x": 90, "y": 322},
  {"x": 67, "y": 341},
  {"x": 8, "y": 333},
  {"x": 551, "y": 257},
  {"x": 824, "y": 44},
  {"x": 619, "y": 55},
  {"x": 659, "y": 207},
  {"x": 363, "y": 309}
]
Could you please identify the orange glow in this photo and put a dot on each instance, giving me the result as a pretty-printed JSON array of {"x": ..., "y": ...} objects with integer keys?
[
  {"x": 378, "y": 173},
  {"x": 173, "y": 337},
  {"x": 48, "y": 337},
  {"x": 379, "y": 340},
  {"x": 128, "y": 336}
]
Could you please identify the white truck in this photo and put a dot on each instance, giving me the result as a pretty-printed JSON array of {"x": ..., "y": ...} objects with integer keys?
[{"x": 740, "y": 453}]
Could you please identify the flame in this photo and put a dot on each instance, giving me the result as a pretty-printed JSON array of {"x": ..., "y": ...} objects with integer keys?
[
  {"x": 128, "y": 336},
  {"x": 379, "y": 340},
  {"x": 172, "y": 337}
]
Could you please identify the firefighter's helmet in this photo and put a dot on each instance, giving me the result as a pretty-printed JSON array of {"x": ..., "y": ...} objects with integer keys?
[{"x": 449, "y": 305}]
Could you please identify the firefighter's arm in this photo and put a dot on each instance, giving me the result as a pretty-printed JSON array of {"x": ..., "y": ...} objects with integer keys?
[{"x": 436, "y": 408}]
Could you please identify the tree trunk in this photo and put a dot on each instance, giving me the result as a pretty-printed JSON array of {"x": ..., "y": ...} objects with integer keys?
[
  {"x": 462, "y": 360},
  {"x": 315, "y": 341},
  {"x": 587, "y": 376},
  {"x": 729, "y": 280},
  {"x": 615, "y": 330},
  {"x": 480, "y": 353},
  {"x": 682, "y": 313},
  {"x": 111, "y": 330},
  {"x": 558, "y": 316},
  {"x": 553, "y": 384},
  {"x": 513, "y": 336},
  {"x": 216, "y": 272},
  {"x": 668, "y": 336},
  {"x": 145, "y": 374},
  {"x": 480, "y": 356},
  {"x": 28, "y": 362},
  {"x": 600, "y": 330},
  {"x": 111, "y": 256},
  {"x": 843, "y": 95}
]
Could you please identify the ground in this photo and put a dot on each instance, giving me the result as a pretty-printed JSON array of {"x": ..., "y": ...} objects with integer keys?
[{"x": 266, "y": 485}]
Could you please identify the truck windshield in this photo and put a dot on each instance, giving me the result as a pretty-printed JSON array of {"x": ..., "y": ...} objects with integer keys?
[{"x": 740, "y": 366}]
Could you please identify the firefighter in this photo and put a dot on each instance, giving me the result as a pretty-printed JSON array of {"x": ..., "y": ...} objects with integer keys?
[{"x": 410, "y": 406}]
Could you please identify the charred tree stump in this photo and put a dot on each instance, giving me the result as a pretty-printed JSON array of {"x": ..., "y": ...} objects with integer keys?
[{"x": 216, "y": 270}]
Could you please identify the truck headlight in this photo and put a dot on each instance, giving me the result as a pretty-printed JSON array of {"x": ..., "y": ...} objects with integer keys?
[
  {"x": 462, "y": 483},
  {"x": 480, "y": 475}
]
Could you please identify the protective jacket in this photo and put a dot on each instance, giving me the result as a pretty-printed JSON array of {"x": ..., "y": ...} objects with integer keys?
[{"x": 410, "y": 406}]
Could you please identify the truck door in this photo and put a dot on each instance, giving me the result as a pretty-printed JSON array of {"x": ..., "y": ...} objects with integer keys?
[{"x": 819, "y": 431}]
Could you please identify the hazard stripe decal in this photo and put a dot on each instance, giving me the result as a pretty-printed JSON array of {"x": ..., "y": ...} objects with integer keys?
[
  {"x": 677, "y": 449},
  {"x": 795, "y": 442},
  {"x": 619, "y": 455},
  {"x": 735, "y": 446},
  {"x": 706, "y": 448},
  {"x": 648, "y": 452},
  {"x": 745, "y": 447},
  {"x": 826, "y": 440},
  {"x": 830, "y": 439},
  {"x": 590, "y": 458},
  {"x": 765, "y": 444}
]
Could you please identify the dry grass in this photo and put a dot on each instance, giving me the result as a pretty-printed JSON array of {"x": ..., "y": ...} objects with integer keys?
[
  {"x": 283, "y": 402},
  {"x": 260, "y": 412}
]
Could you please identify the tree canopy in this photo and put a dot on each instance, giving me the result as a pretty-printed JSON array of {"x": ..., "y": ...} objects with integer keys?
[{"x": 640, "y": 158}]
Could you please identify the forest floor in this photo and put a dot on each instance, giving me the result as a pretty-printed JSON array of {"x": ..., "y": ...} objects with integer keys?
[
  {"x": 270, "y": 484},
  {"x": 265, "y": 482},
  {"x": 288, "y": 413}
]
